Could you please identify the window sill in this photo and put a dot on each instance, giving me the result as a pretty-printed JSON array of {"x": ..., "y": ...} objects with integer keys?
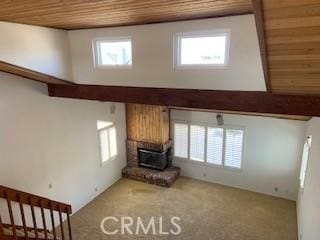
[
  {"x": 113, "y": 67},
  {"x": 200, "y": 66},
  {"x": 206, "y": 164}
]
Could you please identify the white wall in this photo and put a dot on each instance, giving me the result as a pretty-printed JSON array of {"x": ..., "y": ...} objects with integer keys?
[
  {"x": 41, "y": 49},
  {"x": 272, "y": 154},
  {"x": 309, "y": 198},
  {"x": 153, "y": 57},
  {"x": 54, "y": 141}
]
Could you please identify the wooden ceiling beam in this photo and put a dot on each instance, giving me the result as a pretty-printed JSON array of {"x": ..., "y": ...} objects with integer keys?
[
  {"x": 273, "y": 115},
  {"x": 259, "y": 19},
  {"x": 240, "y": 101},
  {"x": 31, "y": 74}
]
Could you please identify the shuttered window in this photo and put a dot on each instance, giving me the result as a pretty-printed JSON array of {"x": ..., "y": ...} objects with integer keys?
[
  {"x": 233, "y": 148},
  {"x": 108, "y": 140},
  {"x": 214, "y": 145},
  {"x": 181, "y": 140},
  {"x": 113, "y": 141},
  {"x": 197, "y": 142},
  {"x": 304, "y": 163},
  {"x": 221, "y": 146}
]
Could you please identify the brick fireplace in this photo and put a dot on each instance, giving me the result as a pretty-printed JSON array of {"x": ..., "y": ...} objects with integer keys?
[{"x": 148, "y": 131}]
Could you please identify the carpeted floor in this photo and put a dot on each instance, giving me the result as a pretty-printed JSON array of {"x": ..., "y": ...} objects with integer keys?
[{"x": 207, "y": 211}]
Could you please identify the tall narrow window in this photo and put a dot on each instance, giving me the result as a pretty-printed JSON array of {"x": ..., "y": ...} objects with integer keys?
[
  {"x": 233, "y": 148},
  {"x": 214, "y": 145},
  {"x": 108, "y": 140},
  {"x": 197, "y": 143},
  {"x": 113, "y": 52},
  {"x": 304, "y": 163},
  {"x": 181, "y": 140},
  {"x": 202, "y": 49}
]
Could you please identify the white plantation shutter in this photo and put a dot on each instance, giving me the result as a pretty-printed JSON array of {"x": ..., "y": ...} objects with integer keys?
[
  {"x": 197, "y": 142},
  {"x": 181, "y": 140},
  {"x": 214, "y": 145},
  {"x": 233, "y": 148},
  {"x": 108, "y": 140},
  {"x": 104, "y": 144},
  {"x": 113, "y": 141}
]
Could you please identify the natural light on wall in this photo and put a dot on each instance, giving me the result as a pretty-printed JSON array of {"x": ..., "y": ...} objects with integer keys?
[
  {"x": 206, "y": 49},
  {"x": 304, "y": 163},
  {"x": 113, "y": 52},
  {"x": 108, "y": 140}
]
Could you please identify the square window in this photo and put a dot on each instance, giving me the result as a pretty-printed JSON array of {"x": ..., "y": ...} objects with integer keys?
[
  {"x": 210, "y": 49},
  {"x": 113, "y": 52}
]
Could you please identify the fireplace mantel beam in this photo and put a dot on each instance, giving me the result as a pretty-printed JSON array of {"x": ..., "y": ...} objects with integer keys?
[{"x": 242, "y": 101}]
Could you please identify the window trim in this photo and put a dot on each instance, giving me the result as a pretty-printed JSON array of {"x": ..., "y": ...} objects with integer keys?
[
  {"x": 102, "y": 163},
  {"x": 206, "y": 125},
  {"x": 209, "y": 33},
  {"x": 97, "y": 53}
]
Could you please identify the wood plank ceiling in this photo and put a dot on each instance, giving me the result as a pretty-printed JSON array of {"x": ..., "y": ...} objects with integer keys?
[
  {"x": 291, "y": 28},
  {"x": 75, "y": 14}
]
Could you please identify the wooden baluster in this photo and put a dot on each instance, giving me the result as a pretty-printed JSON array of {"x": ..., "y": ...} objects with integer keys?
[
  {"x": 44, "y": 220},
  {"x": 69, "y": 225},
  {"x": 61, "y": 223},
  {"x": 34, "y": 219},
  {"x": 23, "y": 217},
  {"x": 11, "y": 216},
  {"x": 52, "y": 222}
]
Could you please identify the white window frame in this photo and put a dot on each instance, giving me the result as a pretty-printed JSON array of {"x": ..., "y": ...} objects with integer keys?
[
  {"x": 102, "y": 163},
  {"x": 212, "y": 33},
  {"x": 206, "y": 125},
  {"x": 97, "y": 53}
]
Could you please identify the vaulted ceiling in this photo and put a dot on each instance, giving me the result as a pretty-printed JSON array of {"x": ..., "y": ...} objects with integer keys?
[
  {"x": 75, "y": 14},
  {"x": 292, "y": 31},
  {"x": 289, "y": 30}
]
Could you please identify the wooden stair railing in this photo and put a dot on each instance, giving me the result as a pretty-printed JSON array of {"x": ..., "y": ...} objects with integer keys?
[{"x": 12, "y": 231}]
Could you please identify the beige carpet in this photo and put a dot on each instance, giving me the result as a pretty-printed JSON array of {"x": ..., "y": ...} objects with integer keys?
[{"x": 207, "y": 211}]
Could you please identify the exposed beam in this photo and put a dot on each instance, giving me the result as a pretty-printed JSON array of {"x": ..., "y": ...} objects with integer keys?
[
  {"x": 31, "y": 74},
  {"x": 273, "y": 115},
  {"x": 242, "y": 101},
  {"x": 259, "y": 19}
]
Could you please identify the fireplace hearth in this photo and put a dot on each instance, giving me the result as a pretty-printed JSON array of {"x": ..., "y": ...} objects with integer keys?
[{"x": 136, "y": 171}]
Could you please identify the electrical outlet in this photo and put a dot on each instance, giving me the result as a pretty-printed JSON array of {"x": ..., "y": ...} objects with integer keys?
[
  {"x": 276, "y": 189},
  {"x": 50, "y": 185}
]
